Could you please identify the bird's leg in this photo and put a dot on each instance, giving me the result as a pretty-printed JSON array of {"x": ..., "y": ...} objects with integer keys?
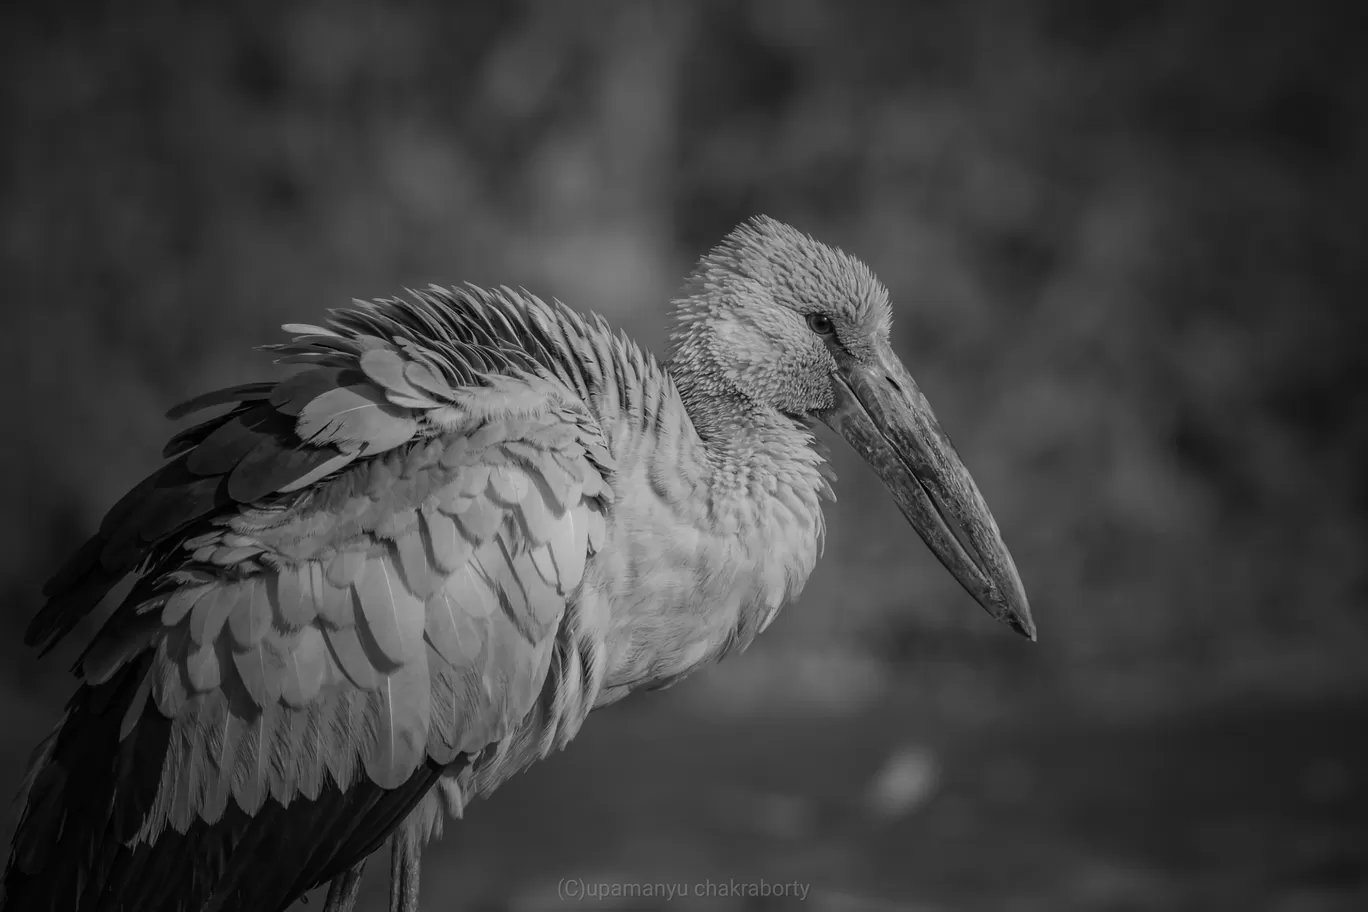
[
  {"x": 405, "y": 853},
  {"x": 343, "y": 889}
]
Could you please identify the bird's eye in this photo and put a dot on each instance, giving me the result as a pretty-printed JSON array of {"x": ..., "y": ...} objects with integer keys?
[{"x": 820, "y": 324}]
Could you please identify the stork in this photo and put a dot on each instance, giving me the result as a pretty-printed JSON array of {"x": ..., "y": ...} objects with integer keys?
[{"x": 375, "y": 590}]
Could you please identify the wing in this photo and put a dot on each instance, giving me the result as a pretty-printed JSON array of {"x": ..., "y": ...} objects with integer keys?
[{"x": 348, "y": 582}]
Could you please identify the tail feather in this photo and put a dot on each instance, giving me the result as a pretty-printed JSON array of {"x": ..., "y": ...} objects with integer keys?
[
  {"x": 39, "y": 791},
  {"x": 79, "y": 775},
  {"x": 87, "y": 794},
  {"x": 73, "y": 593}
]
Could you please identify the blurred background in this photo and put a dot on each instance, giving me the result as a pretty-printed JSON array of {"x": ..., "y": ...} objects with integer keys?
[{"x": 1125, "y": 245}]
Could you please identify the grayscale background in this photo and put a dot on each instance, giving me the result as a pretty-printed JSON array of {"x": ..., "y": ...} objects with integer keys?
[{"x": 1125, "y": 243}]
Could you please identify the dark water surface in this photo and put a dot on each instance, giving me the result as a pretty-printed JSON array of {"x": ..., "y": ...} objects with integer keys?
[{"x": 1238, "y": 807}]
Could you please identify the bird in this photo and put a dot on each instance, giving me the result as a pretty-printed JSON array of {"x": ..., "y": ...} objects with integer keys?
[{"x": 373, "y": 591}]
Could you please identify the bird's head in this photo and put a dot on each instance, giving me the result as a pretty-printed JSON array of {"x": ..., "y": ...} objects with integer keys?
[{"x": 786, "y": 322}]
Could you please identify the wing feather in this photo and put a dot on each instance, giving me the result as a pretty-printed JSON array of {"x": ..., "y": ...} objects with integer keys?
[
  {"x": 218, "y": 453},
  {"x": 400, "y": 708},
  {"x": 211, "y": 611},
  {"x": 347, "y": 651},
  {"x": 224, "y": 756},
  {"x": 291, "y": 593},
  {"x": 179, "y": 603},
  {"x": 107, "y": 653},
  {"x": 355, "y": 569},
  {"x": 305, "y": 667},
  {"x": 261, "y": 667},
  {"x": 567, "y": 546},
  {"x": 538, "y": 519},
  {"x": 509, "y": 485},
  {"x": 386, "y": 367},
  {"x": 355, "y": 417},
  {"x": 272, "y": 466},
  {"x": 423, "y": 377},
  {"x": 293, "y": 393},
  {"x": 334, "y": 603},
  {"x": 245, "y": 392},
  {"x": 419, "y": 576},
  {"x": 249, "y": 770},
  {"x": 251, "y": 615},
  {"x": 306, "y": 738},
  {"x": 480, "y": 519},
  {"x": 202, "y": 667},
  {"x": 168, "y": 687},
  {"x": 345, "y": 567},
  {"x": 450, "y": 548},
  {"x": 394, "y": 616},
  {"x": 282, "y": 770},
  {"x": 341, "y": 723}
]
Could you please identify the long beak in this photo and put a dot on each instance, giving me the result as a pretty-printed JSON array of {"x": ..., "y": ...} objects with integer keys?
[{"x": 885, "y": 417}]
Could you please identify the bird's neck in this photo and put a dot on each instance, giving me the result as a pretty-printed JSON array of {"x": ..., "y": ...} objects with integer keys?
[
  {"x": 762, "y": 478},
  {"x": 753, "y": 452}
]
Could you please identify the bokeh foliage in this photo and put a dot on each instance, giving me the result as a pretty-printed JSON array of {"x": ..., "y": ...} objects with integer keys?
[{"x": 1124, "y": 241}]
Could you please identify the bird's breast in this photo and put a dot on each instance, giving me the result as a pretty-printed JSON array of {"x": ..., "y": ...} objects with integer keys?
[{"x": 682, "y": 589}]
